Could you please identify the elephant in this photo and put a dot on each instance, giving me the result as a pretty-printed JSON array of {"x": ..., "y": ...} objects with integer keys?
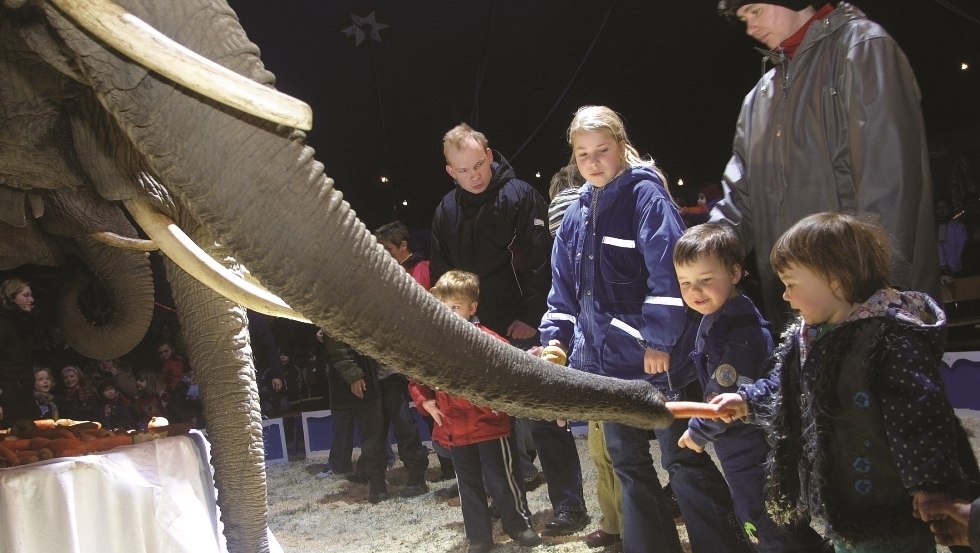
[{"x": 98, "y": 133}]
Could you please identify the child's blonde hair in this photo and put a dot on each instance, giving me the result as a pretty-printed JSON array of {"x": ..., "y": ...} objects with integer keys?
[
  {"x": 457, "y": 284},
  {"x": 458, "y": 137},
  {"x": 154, "y": 383},
  {"x": 603, "y": 119},
  {"x": 9, "y": 290},
  {"x": 840, "y": 247}
]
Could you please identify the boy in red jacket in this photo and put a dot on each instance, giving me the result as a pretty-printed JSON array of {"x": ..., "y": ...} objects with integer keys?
[{"x": 478, "y": 438}]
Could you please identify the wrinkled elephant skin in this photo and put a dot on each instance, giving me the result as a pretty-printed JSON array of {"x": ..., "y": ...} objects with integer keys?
[{"x": 228, "y": 174}]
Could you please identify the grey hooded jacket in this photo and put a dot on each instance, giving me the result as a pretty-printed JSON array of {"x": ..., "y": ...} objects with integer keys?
[{"x": 837, "y": 128}]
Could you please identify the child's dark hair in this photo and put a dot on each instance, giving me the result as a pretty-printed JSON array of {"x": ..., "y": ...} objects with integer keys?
[
  {"x": 457, "y": 284},
  {"x": 840, "y": 247},
  {"x": 394, "y": 232},
  {"x": 709, "y": 239}
]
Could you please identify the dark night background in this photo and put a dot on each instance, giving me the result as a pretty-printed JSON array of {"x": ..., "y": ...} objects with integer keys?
[{"x": 674, "y": 69}]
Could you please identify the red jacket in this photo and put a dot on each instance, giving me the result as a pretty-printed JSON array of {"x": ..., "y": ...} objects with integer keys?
[{"x": 462, "y": 422}]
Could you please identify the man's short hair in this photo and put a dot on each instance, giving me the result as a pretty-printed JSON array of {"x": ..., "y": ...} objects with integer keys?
[
  {"x": 394, "y": 232},
  {"x": 709, "y": 239},
  {"x": 458, "y": 137},
  {"x": 456, "y": 284}
]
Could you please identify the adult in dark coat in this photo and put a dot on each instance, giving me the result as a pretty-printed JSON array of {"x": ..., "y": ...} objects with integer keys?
[{"x": 16, "y": 359}]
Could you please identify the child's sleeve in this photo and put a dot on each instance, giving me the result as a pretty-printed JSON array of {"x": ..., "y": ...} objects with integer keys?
[
  {"x": 663, "y": 309},
  {"x": 918, "y": 418},
  {"x": 559, "y": 320},
  {"x": 739, "y": 361},
  {"x": 342, "y": 359}
]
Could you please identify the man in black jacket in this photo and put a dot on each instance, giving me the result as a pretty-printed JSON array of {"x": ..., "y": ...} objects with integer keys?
[{"x": 496, "y": 225}]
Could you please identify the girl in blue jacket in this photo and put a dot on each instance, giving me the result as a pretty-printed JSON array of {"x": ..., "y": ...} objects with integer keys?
[{"x": 616, "y": 305}]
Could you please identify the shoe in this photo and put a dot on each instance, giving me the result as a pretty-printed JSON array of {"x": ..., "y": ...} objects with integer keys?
[
  {"x": 566, "y": 522},
  {"x": 329, "y": 473},
  {"x": 413, "y": 490},
  {"x": 445, "y": 473},
  {"x": 378, "y": 497},
  {"x": 527, "y": 538},
  {"x": 601, "y": 539},
  {"x": 534, "y": 483},
  {"x": 447, "y": 493},
  {"x": 357, "y": 478},
  {"x": 479, "y": 547}
]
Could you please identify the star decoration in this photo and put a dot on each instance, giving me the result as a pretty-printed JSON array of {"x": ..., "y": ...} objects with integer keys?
[{"x": 362, "y": 25}]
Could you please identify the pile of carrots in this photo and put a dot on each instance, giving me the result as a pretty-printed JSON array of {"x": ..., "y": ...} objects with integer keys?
[{"x": 45, "y": 440}]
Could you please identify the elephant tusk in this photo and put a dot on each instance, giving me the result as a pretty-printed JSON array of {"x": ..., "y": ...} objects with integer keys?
[
  {"x": 140, "y": 42},
  {"x": 124, "y": 243},
  {"x": 184, "y": 252}
]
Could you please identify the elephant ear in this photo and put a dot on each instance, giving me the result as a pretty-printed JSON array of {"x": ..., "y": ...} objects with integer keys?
[{"x": 106, "y": 312}]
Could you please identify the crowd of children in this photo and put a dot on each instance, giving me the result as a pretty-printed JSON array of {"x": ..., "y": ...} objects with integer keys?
[{"x": 109, "y": 393}]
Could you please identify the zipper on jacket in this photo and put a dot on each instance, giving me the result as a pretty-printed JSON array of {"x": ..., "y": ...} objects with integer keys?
[{"x": 588, "y": 282}]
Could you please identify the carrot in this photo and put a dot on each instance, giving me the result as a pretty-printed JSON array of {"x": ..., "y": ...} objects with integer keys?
[
  {"x": 93, "y": 433},
  {"x": 28, "y": 459},
  {"x": 44, "y": 453},
  {"x": 38, "y": 442},
  {"x": 95, "y": 445},
  {"x": 18, "y": 444},
  {"x": 9, "y": 457},
  {"x": 61, "y": 444},
  {"x": 694, "y": 409}
]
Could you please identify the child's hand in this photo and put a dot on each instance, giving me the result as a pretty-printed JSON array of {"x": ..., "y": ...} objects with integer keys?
[
  {"x": 655, "y": 361},
  {"x": 920, "y": 499},
  {"x": 733, "y": 403},
  {"x": 948, "y": 520},
  {"x": 688, "y": 442},
  {"x": 537, "y": 350},
  {"x": 433, "y": 410}
]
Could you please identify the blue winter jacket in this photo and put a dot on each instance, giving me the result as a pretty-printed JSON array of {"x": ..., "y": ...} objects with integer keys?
[
  {"x": 732, "y": 349},
  {"x": 614, "y": 291}
]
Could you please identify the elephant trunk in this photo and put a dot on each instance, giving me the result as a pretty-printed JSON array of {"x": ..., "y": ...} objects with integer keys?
[
  {"x": 217, "y": 344},
  {"x": 126, "y": 277}
]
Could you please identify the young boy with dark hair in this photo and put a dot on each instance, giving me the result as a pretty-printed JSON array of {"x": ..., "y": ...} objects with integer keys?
[
  {"x": 393, "y": 237},
  {"x": 732, "y": 345}
]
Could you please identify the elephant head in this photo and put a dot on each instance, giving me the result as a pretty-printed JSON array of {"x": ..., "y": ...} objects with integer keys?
[{"x": 83, "y": 116}]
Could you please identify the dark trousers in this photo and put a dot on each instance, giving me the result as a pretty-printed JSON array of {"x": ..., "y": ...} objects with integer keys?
[
  {"x": 414, "y": 455},
  {"x": 492, "y": 462},
  {"x": 368, "y": 417},
  {"x": 742, "y": 452},
  {"x": 342, "y": 447},
  {"x": 560, "y": 463},
  {"x": 701, "y": 491}
]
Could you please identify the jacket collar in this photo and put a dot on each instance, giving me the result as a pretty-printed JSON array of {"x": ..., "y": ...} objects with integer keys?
[{"x": 819, "y": 30}]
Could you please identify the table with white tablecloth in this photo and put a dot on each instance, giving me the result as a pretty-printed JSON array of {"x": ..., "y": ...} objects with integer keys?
[{"x": 154, "y": 497}]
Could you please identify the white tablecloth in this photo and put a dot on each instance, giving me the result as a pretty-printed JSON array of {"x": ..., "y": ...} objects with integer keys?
[{"x": 154, "y": 497}]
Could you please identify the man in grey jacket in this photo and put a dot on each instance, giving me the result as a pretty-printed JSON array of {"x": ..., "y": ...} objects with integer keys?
[{"x": 835, "y": 125}]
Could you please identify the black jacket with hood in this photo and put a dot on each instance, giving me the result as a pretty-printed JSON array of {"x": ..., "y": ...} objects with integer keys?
[{"x": 501, "y": 234}]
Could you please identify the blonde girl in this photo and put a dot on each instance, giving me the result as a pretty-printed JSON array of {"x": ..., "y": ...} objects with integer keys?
[{"x": 615, "y": 304}]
